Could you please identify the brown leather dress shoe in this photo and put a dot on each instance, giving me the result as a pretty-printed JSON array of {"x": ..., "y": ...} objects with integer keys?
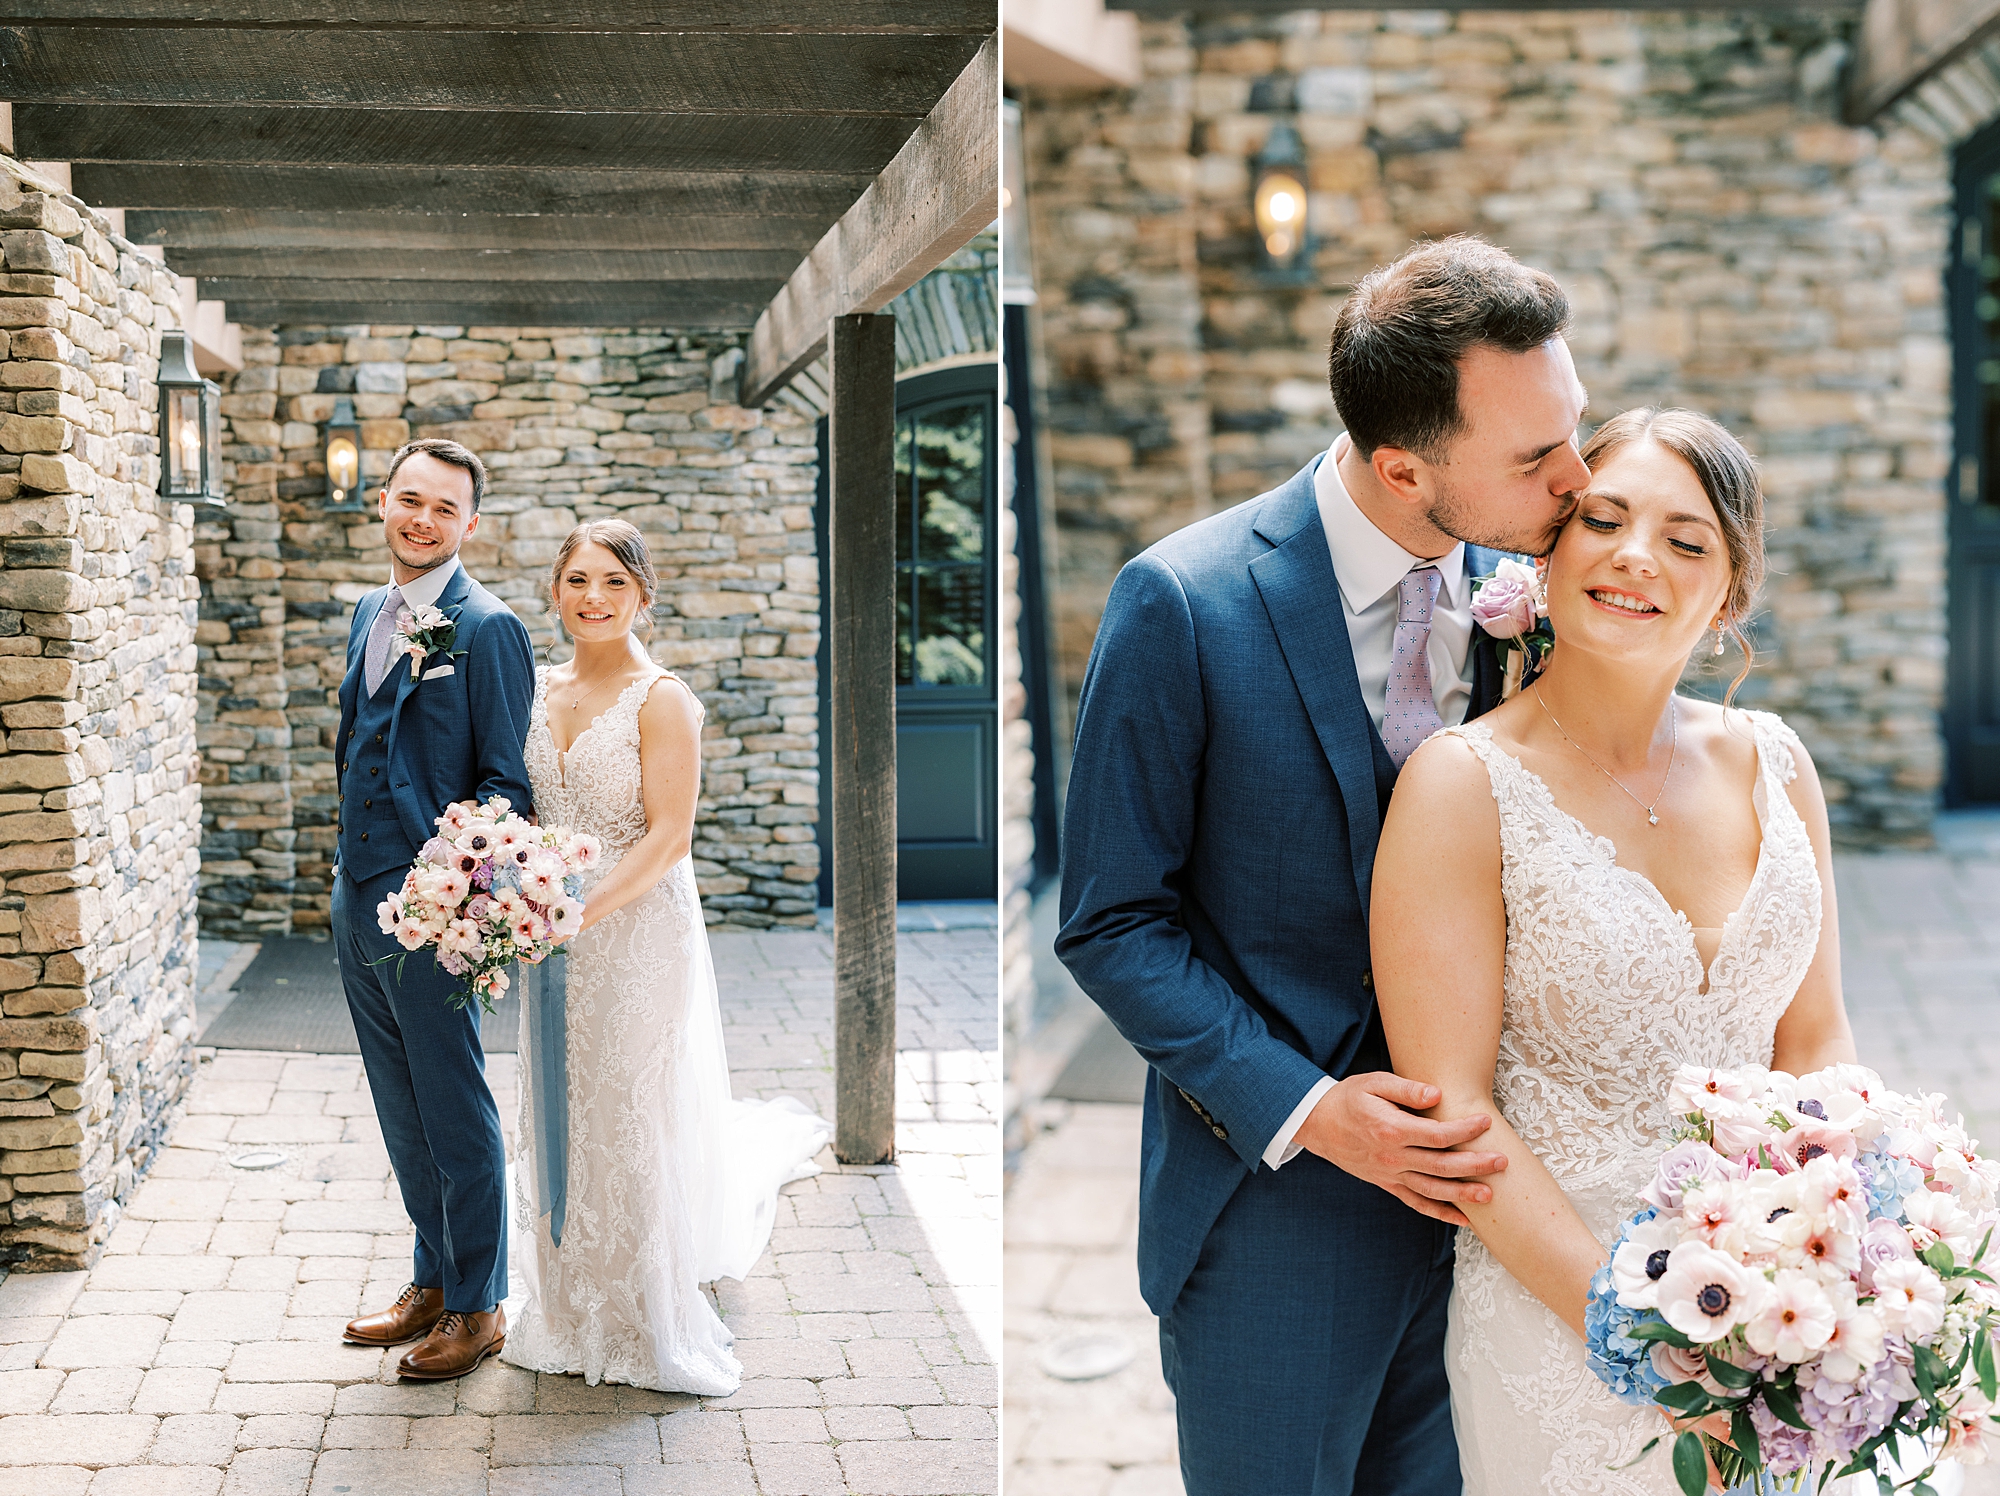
[
  {"x": 410, "y": 1318},
  {"x": 457, "y": 1344}
]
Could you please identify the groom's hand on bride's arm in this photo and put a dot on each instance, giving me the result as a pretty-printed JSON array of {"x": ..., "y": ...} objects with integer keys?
[{"x": 1367, "y": 1126}]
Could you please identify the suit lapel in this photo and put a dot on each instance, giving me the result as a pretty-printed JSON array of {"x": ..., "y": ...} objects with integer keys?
[
  {"x": 1302, "y": 598},
  {"x": 1487, "y": 673}
]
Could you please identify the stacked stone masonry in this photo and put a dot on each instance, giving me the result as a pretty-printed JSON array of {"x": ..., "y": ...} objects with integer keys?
[
  {"x": 99, "y": 804},
  {"x": 573, "y": 424},
  {"x": 1728, "y": 243}
]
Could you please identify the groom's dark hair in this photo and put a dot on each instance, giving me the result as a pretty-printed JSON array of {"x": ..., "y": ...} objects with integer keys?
[{"x": 1397, "y": 342}]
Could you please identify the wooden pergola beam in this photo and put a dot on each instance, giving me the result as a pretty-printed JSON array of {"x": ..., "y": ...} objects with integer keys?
[
  {"x": 604, "y": 71},
  {"x": 344, "y": 187},
  {"x": 1905, "y": 43},
  {"x": 942, "y": 187},
  {"x": 165, "y": 137},
  {"x": 807, "y": 16},
  {"x": 718, "y": 304},
  {"x": 195, "y": 230},
  {"x": 551, "y": 267}
]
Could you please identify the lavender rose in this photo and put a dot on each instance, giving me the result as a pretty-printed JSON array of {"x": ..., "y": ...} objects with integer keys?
[
  {"x": 1882, "y": 1243},
  {"x": 1683, "y": 1164},
  {"x": 1504, "y": 605}
]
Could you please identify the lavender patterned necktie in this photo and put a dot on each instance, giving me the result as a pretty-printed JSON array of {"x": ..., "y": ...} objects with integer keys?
[
  {"x": 1409, "y": 708},
  {"x": 375, "y": 663}
]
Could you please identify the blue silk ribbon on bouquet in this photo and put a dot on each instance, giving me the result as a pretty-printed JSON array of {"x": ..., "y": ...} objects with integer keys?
[{"x": 547, "y": 1074}]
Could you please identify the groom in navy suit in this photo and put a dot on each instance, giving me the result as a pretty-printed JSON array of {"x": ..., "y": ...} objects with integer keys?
[
  {"x": 419, "y": 729},
  {"x": 1256, "y": 683}
]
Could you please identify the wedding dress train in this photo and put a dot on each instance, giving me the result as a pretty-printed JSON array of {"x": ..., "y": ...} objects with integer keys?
[
  {"x": 1604, "y": 997},
  {"x": 671, "y": 1184}
]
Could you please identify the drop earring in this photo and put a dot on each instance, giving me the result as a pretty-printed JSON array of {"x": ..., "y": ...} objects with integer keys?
[{"x": 1718, "y": 637}]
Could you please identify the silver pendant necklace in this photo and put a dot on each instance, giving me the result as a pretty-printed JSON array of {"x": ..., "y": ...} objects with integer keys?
[{"x": 1673, "y": 742}]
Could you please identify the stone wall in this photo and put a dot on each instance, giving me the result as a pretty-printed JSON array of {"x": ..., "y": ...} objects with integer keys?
[
  {"x": 1728, "y": 243},
  {"x": 99, "y": 807},
  {"x": 573, "y": 424}
]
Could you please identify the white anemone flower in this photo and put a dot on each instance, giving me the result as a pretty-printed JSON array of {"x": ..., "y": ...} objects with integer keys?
[
  {"x": 1794, "y": 1320},
  {"x": 1705, "y": 1293},
  {"x": 1641, "y": 1259}
]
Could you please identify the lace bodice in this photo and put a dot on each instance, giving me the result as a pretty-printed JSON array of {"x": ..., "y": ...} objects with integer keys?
[
  {"x": 1603, "y": 999},
  {"x": 592, "y": 787}
]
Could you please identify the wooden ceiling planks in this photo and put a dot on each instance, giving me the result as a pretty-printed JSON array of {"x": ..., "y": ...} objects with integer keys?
[{"x": 586, "y": 163}]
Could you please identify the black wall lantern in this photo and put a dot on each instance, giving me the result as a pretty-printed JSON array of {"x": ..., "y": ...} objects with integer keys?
[
  {"x": 1278, "y": 204},
  {"x": 343, "y": 460},
  {"x": 190, "y": 425}
]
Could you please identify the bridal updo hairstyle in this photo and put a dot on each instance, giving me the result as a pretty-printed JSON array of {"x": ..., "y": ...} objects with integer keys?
[
  {"x": 1392, "y": 363},
  {"x": 1728, "y": 475},
  {"x": 628, "y": 546}
]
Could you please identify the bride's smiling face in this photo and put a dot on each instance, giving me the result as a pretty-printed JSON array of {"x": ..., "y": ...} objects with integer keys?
[
  {"x": 1640, "y": 572},
  {"x": 596, "y": 597}
]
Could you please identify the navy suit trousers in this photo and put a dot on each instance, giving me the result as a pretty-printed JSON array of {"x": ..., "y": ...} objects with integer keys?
[
  {"x": 428, "y": 1077},
  {"x": 1306, "y": 1350}
]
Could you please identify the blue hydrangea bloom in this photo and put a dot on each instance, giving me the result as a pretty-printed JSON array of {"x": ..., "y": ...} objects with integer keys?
[
  {"x": 1623, "y": 1364},
  {"x": 1890, "y": 1180}
]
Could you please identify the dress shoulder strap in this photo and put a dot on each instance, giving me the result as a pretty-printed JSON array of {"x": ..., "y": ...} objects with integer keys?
[
  {"x": 662, "y": 673},
  {"x": 1776, "y": 744}
]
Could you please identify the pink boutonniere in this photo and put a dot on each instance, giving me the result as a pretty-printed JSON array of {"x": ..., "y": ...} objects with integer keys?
[
  {"x": 1509, "y": 606},
  {"x": 423, "y": 632}
]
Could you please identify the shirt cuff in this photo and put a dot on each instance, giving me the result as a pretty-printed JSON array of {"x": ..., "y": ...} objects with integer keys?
[{"x": 1283, "y": 1150}]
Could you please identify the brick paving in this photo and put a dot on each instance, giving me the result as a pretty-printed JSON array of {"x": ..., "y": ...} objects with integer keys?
[
  {"x": 202, "y": 1354},
  {"x": 1920, "y": 958}
]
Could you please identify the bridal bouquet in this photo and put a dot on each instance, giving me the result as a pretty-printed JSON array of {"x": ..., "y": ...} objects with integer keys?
[
  {"x": 1807, "y": 1263},
  {"x": 489, "y": 889}
]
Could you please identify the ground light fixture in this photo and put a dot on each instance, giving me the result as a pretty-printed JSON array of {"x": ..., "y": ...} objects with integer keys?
[
  {"x": 190, "y": 425},
  {"x": 343, "y": 459},
  {"x": 1278, "y": 204}
]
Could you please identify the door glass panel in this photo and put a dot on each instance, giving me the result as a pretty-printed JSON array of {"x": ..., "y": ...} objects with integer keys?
[
  {"x": 942, "y": 512},
  {"x": 951, "y": 626}
]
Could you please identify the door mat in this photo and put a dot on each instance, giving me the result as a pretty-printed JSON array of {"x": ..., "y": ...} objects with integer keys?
[
  {"x": 290, "y": 998},
  {"x": 1104, "y": 1068}
]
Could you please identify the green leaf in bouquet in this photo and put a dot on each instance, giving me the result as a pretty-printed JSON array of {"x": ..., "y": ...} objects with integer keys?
[
  {"x": 1743, "y": 1433},
  {"x": 1939, "y": 1257},
  {"x": 1651, "y": 1445},
  {"x": 1691, "y": 1464},
  {"x": 1690, "y": 1399},
  {"x": 1982, "y": 1361},
  {"x": 1658, "y": 1329},
  {"x": 1732, "y": 1376},
  {"x": 1928, "y": 1370},
  {"x": 1984, "y": 1242},
  {"x": 1784, "y": 1407}
]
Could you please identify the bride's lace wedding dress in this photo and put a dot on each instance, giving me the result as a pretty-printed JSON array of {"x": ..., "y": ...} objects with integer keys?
[
  {"x": 671, "y": 1184},
  {"x": 1604, "y": 998}
]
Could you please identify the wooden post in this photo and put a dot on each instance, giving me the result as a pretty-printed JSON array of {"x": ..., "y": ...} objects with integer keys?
[{"x": 861, "y": 534}]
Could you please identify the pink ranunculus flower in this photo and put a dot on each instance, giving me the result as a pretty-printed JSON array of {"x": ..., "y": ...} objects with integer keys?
[
  {"x": 1505, "y": 605},
  {"x": 452, "y": 887},
  {"x": 583, "y": 852},
  {"x": 1697, "y": 1087},
  {"x": 1830, "y": 1189},
  {"x": 1909, "y": 1298},
  {"x": 1933, "y": 1217},
  {"x": 1705, "y": 1293},
  {"x": 1794, "y": 1320},
  {"x": 411, "y": 935}
]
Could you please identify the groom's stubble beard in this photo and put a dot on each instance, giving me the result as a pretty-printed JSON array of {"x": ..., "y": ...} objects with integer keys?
[
  {"x": 1450, "y": 512},
  {"x": 430, "y": 562}
]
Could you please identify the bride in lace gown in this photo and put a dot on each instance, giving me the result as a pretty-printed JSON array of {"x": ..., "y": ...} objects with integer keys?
[
  {"x": 1595, "y": 883},
  {"x": 670, "y": 1183}
]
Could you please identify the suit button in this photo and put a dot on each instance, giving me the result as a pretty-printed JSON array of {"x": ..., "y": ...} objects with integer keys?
[
  {"x": 364, "y": 836},
  {"x": 368, "y": 804},
  {"x": 374, "y": 771},
  {"x": 1220, "y": 1131},
  {"x": 378, "y": 737},
  {"x": 1367, "y": 981}
]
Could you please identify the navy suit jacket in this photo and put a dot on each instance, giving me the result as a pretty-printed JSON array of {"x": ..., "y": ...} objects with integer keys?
[
  {"x": 455, "y": 736},
  {"x": 1225, "y": 799}
]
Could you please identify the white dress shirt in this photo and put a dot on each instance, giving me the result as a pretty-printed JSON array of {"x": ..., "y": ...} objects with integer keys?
[
  {"x": 1369, "y": 568},
  {"x": 424, "y": 589}
]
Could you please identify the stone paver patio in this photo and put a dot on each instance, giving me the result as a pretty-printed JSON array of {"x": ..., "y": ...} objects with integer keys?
[
  {"x": 202, "y": 1353},
  {"x": 1920, "y": 957}
]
